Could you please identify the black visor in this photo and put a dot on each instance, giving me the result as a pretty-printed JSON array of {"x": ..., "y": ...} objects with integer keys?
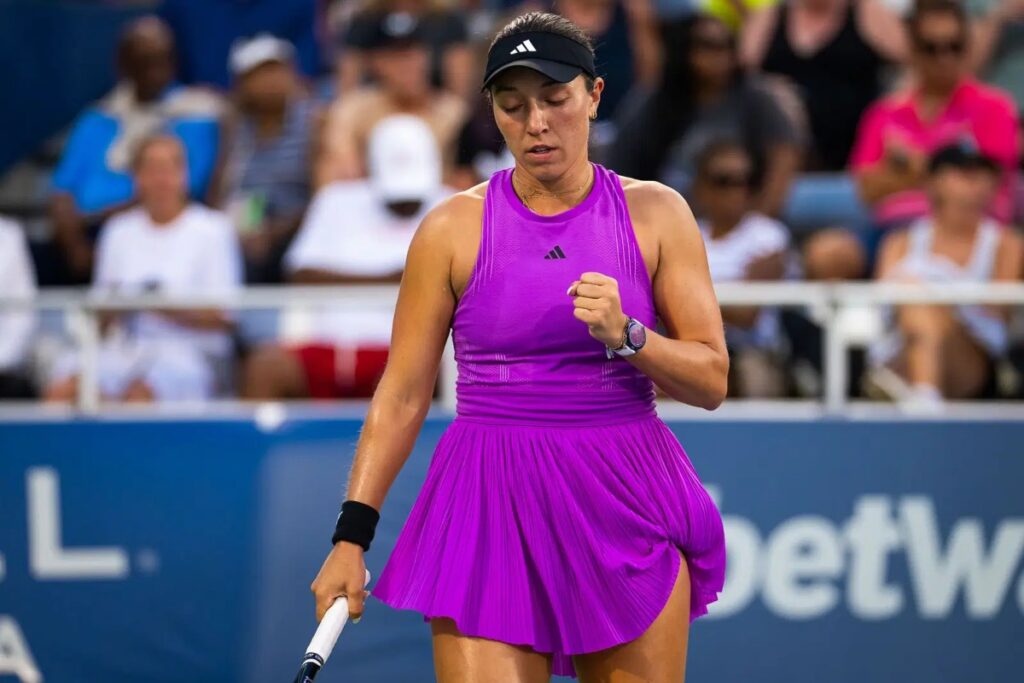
[{"x": 559, "y": 58}]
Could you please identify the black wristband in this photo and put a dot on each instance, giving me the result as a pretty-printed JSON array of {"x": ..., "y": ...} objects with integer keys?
[{"x": 357, "y": 523}]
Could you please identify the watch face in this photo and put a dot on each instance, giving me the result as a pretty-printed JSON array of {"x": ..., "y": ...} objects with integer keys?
[{"x": 637, "y": 335}]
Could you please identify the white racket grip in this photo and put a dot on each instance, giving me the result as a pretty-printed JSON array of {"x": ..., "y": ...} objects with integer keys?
[{"x": 330, "y": 627}]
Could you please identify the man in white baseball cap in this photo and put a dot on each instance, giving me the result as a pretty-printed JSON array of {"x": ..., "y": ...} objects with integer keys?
[
  {"x": 403, "y": 159},
  {"x": 356, "y": 231},
  {"x": 249, "y": 53}
]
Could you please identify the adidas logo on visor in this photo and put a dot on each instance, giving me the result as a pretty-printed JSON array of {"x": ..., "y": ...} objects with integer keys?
[{"x": 525, "y": 46}]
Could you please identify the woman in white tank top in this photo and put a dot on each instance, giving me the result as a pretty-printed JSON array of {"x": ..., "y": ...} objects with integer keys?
[{"x": 941, "y": 351}]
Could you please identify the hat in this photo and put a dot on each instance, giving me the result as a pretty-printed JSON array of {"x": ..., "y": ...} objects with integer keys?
[
  {"x": 556, "y": 56},
  {"x": 404, "y": 159},
  {"x": 248, "y": 53},
  {"x": 391, "y": 29},
  {"x": 963, "y": 153}
]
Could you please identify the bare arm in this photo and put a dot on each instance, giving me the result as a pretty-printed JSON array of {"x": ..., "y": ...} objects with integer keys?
[
  {"x": 766, "y": 268},
  {"x": 316, "y": 276},
  {"x": 216, "y": 191},
  {"x": 782, "y": 164},
  {"x": 883, "y": 29},
  {"x": 986, "y": 31},
  {"x": 350, "y": 69},
  {"x": 423, "y": 315},
  {"x": 200, "y": 319},
  {"x": 339, "y": 155},
  {"x": 646, "y": 43},
  {"x": 422, "y": 321},
  {"x": 1009, "y": 267},
  {"x": 691, "y": 364},
  {"x": 459, "y": 69},
  {"x": 754, "y": 36},
  {"x": 886, "y": 177},
  {"x": 891, "y": 252}
]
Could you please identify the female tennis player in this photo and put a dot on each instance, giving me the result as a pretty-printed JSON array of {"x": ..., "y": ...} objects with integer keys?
[{"x": 561, "y": 527}]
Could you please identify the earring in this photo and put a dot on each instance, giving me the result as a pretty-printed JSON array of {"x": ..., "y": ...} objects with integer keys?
[{"x": 593, "y": 117}]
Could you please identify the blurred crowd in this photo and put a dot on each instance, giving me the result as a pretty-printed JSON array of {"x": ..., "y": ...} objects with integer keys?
[{"x": 814, "y": 139}]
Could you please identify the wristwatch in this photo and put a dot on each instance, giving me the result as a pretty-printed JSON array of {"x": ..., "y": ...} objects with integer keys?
[{"x": 633, "y": 339}]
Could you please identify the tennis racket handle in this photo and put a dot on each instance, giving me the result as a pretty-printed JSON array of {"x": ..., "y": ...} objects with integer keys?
[{"x": 330, "y": 628}]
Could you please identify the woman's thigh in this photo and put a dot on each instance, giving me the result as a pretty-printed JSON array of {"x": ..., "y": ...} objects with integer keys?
[
  {"x": 656, "y": 656},
  {"x": 459, "y": 658}
]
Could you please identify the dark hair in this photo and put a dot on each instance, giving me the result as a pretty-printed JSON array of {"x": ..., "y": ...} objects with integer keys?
[
  {"x": 647, "y": 132},
  {"x": 718, "y": 147},
  {"x": 923, "y": 8},
  {"x": 138, "y": 30},
  {"x": 547, "y": 22}
]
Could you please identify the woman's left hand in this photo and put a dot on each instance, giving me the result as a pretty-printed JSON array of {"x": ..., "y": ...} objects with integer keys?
[{"x": 597, "y": 304}]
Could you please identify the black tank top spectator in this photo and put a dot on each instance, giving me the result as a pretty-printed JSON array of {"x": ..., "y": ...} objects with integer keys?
[
  {"x": 834, "y": 52},
  {"x": 443, "y": 29},
  {"x": 703, "y": 96}
]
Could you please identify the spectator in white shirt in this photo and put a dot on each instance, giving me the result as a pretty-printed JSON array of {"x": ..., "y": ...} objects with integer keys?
[
  {"x": 17, "y": 279},
  {"x": 355, "y": 231},
  {"x": 169, "y": 246},
  {"x": 742, "y": 244}
]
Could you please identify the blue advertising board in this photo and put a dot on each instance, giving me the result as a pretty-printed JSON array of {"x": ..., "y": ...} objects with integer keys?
[{"x": 183, "y": 551}]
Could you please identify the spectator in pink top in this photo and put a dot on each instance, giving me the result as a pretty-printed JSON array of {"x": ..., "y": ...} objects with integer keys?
[{"x": 898, "y": 133}]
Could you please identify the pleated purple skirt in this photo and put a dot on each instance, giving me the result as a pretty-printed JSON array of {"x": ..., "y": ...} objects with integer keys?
[{"x": 560, "y": 538}]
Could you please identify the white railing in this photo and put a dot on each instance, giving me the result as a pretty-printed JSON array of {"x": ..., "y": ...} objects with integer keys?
[{"x": 828, "y": 303}]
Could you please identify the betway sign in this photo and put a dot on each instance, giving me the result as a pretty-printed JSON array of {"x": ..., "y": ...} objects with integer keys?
[{"x": 809, "y": 565}]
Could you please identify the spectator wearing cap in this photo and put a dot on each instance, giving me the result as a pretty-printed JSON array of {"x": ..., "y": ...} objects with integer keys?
[
  {"x": 17, "y": 280},
  {"x": 268, "y": 172},
  {"x": 93, "y": 180},
  {"x": 399, "y": 58},
  {"x": 165, "y": 245},
  {"x": 897, "y": 134},
  {"x": 940, "y": 351},
  {"x": 742, "y": 245},
  {"x": 356, "y": 231},
  {"x": 445, "y": 33}
]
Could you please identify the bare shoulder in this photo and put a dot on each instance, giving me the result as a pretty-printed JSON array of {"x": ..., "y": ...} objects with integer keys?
[
  {"x": 1010, "y": 239},
  {"x": 1010, "y": 255},
  {"x": 657, "y": 209},
  {"x": 650, "y": 199},
  {"x": 450, "y": 218}
]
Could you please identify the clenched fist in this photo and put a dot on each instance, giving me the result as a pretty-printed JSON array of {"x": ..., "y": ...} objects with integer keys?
[{"x": 597, "y": 303}]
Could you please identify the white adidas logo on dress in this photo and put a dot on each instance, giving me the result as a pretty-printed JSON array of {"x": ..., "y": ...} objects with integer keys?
[{"x": 525, "y": 46}]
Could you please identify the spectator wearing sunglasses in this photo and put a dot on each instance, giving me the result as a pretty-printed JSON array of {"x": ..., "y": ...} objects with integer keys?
[
  {"x": 742, "y": 244},
  {"x": 703, "y": 95},
  {"x": 899, "y": 132}
]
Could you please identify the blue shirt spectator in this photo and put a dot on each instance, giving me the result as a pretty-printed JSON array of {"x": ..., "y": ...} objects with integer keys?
[
  {"x": 94, "y": 168},
  {"x": 92, "y": 180}
]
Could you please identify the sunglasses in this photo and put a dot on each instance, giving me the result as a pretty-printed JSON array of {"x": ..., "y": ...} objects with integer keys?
[
  {"x": 728, "y": 180},
  {"x": 935, "y": 48}
]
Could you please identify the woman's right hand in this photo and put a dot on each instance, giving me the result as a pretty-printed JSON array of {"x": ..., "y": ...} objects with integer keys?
[{"x": 342, "y": 574}]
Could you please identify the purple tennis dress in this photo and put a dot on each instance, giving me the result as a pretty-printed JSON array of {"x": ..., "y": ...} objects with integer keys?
[{"x": 556, "y": 500}]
